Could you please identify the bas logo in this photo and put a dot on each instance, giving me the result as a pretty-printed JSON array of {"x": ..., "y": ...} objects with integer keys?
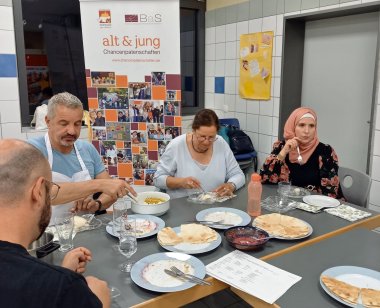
[
  {"x": 143, "y": 18},
  {"x": 104, "y": 17}
]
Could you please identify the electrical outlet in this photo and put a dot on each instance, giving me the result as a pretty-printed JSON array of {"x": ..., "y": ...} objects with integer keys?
[{"x": 225, "y": 108}]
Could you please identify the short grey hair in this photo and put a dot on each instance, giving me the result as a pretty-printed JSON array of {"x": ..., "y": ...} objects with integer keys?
[
  {"x": 20, "y": 164},
  {"x": 63, "y": 99}
]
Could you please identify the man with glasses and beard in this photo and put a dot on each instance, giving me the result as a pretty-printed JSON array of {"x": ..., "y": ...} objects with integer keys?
[
  {"x": 76, "y": 164},
  {"x": 25, "y": 196}
]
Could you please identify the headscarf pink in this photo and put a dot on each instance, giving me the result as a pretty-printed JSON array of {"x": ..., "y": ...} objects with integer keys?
[{"x": 306, "y": 149}]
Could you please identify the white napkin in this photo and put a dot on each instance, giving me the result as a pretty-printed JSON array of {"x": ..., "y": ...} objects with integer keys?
[{"x": 348, "y": 212}]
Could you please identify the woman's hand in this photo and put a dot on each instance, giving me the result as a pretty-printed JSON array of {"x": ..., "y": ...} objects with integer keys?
[
  {"x": 290, "y": 145},
  {"x": 226, "y": 189},
  {"x": 190, "y": 183}
]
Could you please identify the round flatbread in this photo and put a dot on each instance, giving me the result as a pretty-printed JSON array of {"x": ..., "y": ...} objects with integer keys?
[
  {"x": 190, "y": 233},
  {"x": 345, "y": 291},
  {"x": 197, "y": 234},
  {"x": 282, "y": 225},
  {"x": 370, "y": 298},
  {"x": 167, "y": 236}
]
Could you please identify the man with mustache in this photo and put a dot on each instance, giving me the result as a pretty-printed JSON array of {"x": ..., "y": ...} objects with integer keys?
[
  {"x": 76, "y": 164},
  {"x": 25, "y": 195}
]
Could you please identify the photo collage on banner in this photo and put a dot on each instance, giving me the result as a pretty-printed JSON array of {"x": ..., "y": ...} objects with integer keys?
[{"x": 132, "y": 122}]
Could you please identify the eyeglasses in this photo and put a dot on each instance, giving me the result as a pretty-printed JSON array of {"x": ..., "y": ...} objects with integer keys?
[
  {"x": 53, "y": 192},
  {"x": 204, "y": 138}
]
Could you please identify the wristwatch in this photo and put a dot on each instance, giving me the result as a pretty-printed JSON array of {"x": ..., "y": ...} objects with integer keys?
[{"x": 99, "y": 204}]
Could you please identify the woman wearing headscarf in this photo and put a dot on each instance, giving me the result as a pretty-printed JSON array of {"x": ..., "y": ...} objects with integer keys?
[{"x": 301, "y": 158}]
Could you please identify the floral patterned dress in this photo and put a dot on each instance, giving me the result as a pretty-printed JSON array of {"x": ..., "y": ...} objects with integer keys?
[{"x": 320, "y": 172}]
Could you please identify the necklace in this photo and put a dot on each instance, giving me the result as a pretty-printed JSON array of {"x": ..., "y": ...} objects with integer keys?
[{"x": 192, "y": 144}]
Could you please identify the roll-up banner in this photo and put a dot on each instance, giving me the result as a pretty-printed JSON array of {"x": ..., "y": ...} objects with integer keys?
[{"x": 132, "y": 58}]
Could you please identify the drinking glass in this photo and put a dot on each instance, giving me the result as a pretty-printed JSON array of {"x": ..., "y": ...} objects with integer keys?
[
  {"x": 64, "y": 224},
  {"x": 284, "y": 189},
  {"x": 119, "y": 211},
  {"x": 127, "y": 242}
]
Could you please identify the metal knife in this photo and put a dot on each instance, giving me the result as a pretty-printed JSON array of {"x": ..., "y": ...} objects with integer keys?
[{"x": 190, "y": 279}]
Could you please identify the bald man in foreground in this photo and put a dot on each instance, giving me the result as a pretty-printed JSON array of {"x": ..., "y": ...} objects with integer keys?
[{"x": 25, "y": 186}]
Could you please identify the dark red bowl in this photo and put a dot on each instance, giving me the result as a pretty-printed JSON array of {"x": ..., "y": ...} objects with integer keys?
[{"x": 246, "y": 238}]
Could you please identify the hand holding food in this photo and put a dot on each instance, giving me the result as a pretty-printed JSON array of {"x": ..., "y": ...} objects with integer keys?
[
  {"x": 115, "y": 188},
  {"x": 226, "y": 189},
  {"x": 190, "y": 183}
]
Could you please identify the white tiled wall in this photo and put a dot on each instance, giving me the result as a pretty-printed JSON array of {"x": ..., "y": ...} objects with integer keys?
[
  {"x": 254, "y": 116},
  {"x": 260, "y": 119},
  {"x": 10, "y": 119}
]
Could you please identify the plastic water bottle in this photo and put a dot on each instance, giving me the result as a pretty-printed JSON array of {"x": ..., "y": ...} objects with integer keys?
[{"x": 254, "y": 195}]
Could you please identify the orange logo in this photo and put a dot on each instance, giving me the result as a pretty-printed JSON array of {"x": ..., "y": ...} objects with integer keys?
[{"x": 104, "y": 16}]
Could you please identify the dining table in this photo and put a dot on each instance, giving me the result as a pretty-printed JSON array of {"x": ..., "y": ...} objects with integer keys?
[
  {"x": 106, "y": 258},
  {"x": 355, "y": 248}
]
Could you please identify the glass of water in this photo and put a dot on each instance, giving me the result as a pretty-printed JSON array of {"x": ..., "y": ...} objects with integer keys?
[
  {"x": 64, "y": 224},
  {"x": 119, "y": 212},
  {"x": 284, "y": 189},
  {"x": 127, "y": 242}
]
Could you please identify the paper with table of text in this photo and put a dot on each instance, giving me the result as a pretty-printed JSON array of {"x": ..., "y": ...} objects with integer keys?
[{"x": 252, "y": 276}]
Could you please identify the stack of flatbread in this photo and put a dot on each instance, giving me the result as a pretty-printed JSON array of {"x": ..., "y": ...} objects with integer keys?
[
  {"x": 282, "y": 225},
  {"x": 190, "y": 233},
  {"x": 350, "y": 293}
]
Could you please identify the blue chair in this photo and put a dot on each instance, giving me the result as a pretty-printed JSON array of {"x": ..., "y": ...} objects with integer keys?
[{"x": 244, "y": 160}]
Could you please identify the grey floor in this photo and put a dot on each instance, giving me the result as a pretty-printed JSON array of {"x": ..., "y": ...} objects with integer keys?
[{"x": 222, "y": 299}]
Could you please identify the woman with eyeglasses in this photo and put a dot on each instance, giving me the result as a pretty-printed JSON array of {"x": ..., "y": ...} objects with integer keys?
[{"x": 199, "y": 160}]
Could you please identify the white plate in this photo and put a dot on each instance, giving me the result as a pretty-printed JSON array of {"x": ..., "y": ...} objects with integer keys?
[
  {"x": 291, "y": 238},
  {"x": 360, "y": 277},
  {"x": 139, "y": 266},
  {"x": 158, "y": 221},
  {"x": 319, "y": 200},
  {"x": 246, "y": 219},
  {"x": 192, "y": 249}
]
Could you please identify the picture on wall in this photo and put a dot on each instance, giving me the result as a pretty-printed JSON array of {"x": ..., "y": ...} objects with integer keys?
[
  {"x": 256, "y": 65},
  {"x": 99, "y": 120},
  {"x": 123, "y": 115},
  {"x": 118, "y": 131},
  {"x": 149, "y": 175},
  {"x": 124, "y": 156},
  {"x": 172, "y": 108},
  {"x": 138, "y": 137},
  {"x": 171, "y": 132},
  {"x": 100, "y": 79},
  {"x": 158, "y": 78},
  {"x": 99, "y": 133},
  {"x": 140, "y": 90},
  {"x": 161, "y": 147},
  {"x": 156, "y": 131},
  {"x": 113, "y": 98}
]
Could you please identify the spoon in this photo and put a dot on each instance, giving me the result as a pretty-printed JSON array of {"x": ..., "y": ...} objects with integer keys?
[{"x": 299, "y": 158}]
